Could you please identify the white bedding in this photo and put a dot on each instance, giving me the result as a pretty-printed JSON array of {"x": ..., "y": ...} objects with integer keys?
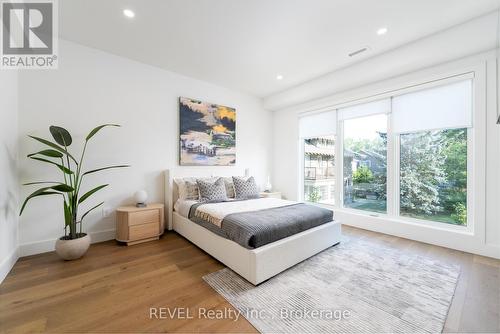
[
  {"x": 215, "y": 212},
  {"x": 182, "y": 207}
]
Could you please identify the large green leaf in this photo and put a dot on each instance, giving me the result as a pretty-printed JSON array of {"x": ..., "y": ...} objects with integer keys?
[
  {"x": 63, "y": 188},
  {"x": 61, "y": 167},
  {"x": 43, "y": 182},
  {"x": 54, "y": 146},
  {"x": 91, "y": 192},
  {"x": 40, "y": 192},
  {"x": 60, "y": 135},
  {"x": 86, "y": 213},
  {"x": 94, "y": 131},
  {"x": 48, "y": 153},
  {"x": 104, "y": 168}
]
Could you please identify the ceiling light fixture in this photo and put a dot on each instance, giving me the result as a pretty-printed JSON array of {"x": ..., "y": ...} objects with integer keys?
[
  {"x": 382, "y": 31},
  {"x": 279, "y": 77},
  {"x": 128, "y": 13}
]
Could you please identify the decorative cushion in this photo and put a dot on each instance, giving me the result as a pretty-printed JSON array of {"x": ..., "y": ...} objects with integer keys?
[
  {"x": 191, "y": 190},
  {"x": 245, "y": 188},
  {"x": 228, "y": 181},
  {"x": 212, "y": 191},
  {"x": 188, "y": 188}
]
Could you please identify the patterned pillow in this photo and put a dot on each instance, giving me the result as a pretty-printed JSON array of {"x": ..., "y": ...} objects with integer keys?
[
  {"x": 191, "y": 190},
  {"x": 212, "y": 191},
  {"x": 245, "y": 188},
  {"x": 188, "y": 189},
  {"x": 228, "y": 181}
]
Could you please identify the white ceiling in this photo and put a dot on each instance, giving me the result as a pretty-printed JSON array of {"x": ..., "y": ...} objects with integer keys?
[{"x": 244, "y": 44}]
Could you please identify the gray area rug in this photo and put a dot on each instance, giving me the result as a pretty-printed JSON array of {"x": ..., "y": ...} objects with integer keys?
[{"x": 355, "y": 287}]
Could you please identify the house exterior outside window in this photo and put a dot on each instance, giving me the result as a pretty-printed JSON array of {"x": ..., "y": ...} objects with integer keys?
[{"x": 319, "y": 170}]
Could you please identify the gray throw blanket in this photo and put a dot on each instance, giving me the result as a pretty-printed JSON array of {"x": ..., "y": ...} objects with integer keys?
[{"x": 257, "y": 228}]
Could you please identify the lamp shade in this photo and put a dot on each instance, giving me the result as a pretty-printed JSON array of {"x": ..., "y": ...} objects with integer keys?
[{"x": 141, "y": 196}]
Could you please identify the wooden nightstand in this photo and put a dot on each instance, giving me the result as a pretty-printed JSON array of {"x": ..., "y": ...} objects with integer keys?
[
  {"x": 135, "y": 225},
  {"x": 272, "y": 194}
]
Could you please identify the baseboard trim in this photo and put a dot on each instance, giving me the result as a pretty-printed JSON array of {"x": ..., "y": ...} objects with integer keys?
[
  {"x": 8, "y": 263},
  {"x": 44, "y": 246},
  {"x": 469, "y": 243}
]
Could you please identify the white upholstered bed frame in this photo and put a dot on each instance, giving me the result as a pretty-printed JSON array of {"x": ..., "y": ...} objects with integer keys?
[{"x": 255, "y": 265}]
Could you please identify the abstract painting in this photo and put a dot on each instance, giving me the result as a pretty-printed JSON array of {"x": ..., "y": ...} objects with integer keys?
[{"x": 207, "y": 134}]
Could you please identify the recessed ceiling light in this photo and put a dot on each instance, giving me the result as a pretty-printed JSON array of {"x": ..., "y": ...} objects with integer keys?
[
  {"x": 128, "y": 13},
  {"x": 382, "y": 31},
  {"x": 279, "y": 77}
]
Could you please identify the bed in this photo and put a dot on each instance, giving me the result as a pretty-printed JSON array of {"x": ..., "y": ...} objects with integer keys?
[{"x": 254, "y": 262}]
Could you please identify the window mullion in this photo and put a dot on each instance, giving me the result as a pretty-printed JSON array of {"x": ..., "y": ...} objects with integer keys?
[
  {"x": 390, "y": 166},
  {"x": 395, "y": 175},
  {"x": 339, "y": 165}
]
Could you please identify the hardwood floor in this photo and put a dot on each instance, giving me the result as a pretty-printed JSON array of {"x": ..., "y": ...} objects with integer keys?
[{"x": 113, "y": 288}]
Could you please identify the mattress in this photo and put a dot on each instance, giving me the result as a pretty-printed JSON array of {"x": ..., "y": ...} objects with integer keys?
[
  {"x": 182, "y": 207},
  {"x": 253, "y": 228}
]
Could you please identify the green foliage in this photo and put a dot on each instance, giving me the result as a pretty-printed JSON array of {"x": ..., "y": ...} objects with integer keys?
[
  {"x": 362, "y": 175},
  {"x": 91, "y": 192},
  {"x": 72, "y": 176},
  {"x": 380, "y": 186},
  {"x": 460, "y": 214},
  {"x": 377, "y": 148},
  {"x": 229, "y": 142},
  {"x": 434, "y": 174},
  {"x": 314, "y": 195},
  {"x": 61, "y": 135},
  {"x": 422, "y": 171},
  {"x": 48, "y": 153},
  {"x": 455, "y": 154},
  {"x": 97, "y": 129},
  {"x": 54, "y": 146}
]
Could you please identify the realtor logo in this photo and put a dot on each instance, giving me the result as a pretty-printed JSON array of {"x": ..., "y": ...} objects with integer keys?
[{"x": 29, "y": 34}]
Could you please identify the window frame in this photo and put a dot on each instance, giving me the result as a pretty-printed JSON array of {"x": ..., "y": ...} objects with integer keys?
[
  {"x": 475, "y": 156},
  {"x": 341, "y": 170},
  {"x": 432, "y": 223}
]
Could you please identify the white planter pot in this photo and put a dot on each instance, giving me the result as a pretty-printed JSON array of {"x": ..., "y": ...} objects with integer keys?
[{"x": 72, "y": 249}]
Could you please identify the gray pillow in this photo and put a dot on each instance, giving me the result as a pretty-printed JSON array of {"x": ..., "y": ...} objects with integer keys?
[
  {"x": 245, "y": 188},
  {"x": 211, "y": 191}
]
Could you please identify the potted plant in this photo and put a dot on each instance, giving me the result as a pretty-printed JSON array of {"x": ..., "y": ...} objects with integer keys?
[{"x": 75, "y": 243}]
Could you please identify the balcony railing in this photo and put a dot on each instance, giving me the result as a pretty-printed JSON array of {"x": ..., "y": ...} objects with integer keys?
[{"x": 319, "y": 173}]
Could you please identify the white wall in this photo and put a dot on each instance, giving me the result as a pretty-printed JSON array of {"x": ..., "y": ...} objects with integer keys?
[
  {"x": 8, "y": 172},
  {"x": 92, "y": 87},
  {"x": 486, "y": 237}
]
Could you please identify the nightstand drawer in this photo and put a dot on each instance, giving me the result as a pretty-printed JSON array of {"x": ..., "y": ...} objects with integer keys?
[
  {"x": 139, "y": 224},
  {"x": 143, "y": 231},
  {"x": 144, "y": 217}
]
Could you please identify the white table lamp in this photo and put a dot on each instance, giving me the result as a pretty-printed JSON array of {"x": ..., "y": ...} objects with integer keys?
[{"x": 141, "y": 197}]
